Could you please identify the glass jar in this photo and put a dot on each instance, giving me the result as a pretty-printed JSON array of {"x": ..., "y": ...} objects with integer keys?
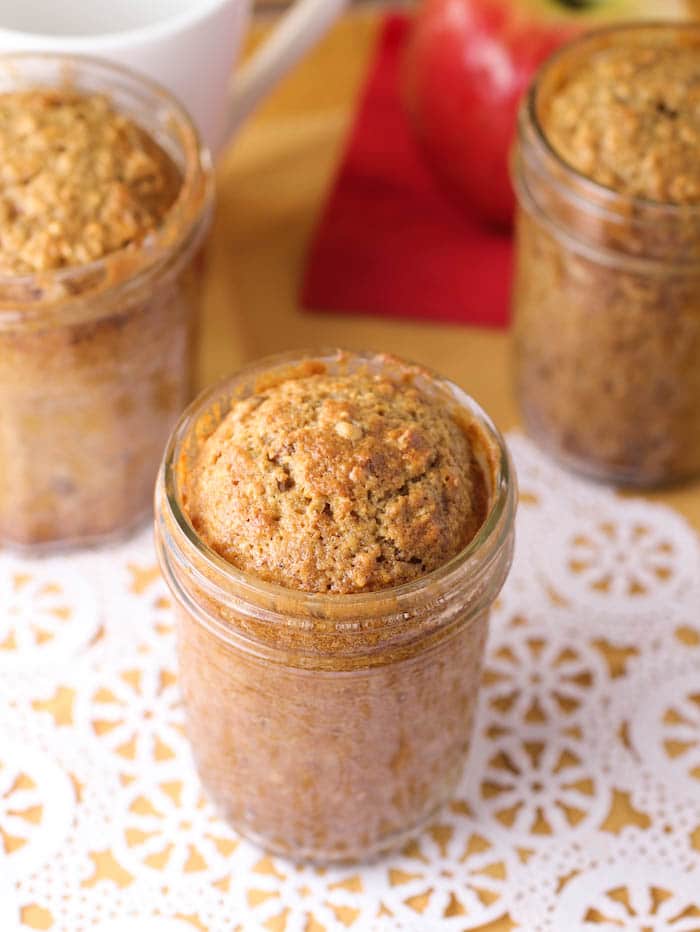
[
  {"x": 606, "y": 300},
  {"x": 96, "y": 361},
  {"x": 330, "y": 727}
]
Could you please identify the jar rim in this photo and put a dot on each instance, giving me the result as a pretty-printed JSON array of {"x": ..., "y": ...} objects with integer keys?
[
  {"x": 492, "y": 533},
  {"x": 185, "y": 216},
  {"x": 605, "y": 197}
]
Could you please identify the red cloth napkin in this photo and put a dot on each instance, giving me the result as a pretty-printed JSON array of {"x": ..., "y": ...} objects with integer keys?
[{"x": 390, "y": 243}]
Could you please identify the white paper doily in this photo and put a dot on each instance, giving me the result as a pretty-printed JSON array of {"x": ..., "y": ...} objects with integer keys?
[{"x": 580, "y": 809}]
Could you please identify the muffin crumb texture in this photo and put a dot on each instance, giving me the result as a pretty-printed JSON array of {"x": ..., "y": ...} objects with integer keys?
[
  {"x": 78, "y": 180},
  {"x": 342, "y": 484},
  {"x": 629, "y": 118}
]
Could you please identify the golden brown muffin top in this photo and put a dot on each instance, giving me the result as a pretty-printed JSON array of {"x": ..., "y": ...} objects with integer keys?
[
  {"x": 78, "y": 180},
  {"x": 629, "y": 118},
  {"x": 337, "y": 483}
]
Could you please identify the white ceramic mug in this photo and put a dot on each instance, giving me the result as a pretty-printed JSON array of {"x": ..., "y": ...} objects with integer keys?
[{"x": 189, "y": 46}]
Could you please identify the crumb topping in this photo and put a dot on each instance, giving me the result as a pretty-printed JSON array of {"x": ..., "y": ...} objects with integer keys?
[
  {"x": 629, "y": 118},
  {"x": 78, "y": 180}
]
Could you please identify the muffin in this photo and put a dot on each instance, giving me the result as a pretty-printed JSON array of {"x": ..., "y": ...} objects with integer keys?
[
  {"x": 607, "y": 313},
  {"x": 104, "y": 197},
  {"x": 334, "y": 530},
  {"x": 337, "y": 483}
]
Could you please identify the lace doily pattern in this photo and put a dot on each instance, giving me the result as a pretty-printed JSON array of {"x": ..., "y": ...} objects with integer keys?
[
  {"x": 580, "y": 808},
  {"x": 47, "y": 616}
]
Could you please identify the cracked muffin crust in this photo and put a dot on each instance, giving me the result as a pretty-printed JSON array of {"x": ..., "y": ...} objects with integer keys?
[{"x": 337, "y": 484}]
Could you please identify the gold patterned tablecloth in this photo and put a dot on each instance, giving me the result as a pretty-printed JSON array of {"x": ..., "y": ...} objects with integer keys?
[{"x": 272, "y": 184}]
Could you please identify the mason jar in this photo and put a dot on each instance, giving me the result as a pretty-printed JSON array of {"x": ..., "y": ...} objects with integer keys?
[
  {"x": 96, "y": 360},
  {"x": 324, "y": 726},
  {"x": 606, "y": 296}
]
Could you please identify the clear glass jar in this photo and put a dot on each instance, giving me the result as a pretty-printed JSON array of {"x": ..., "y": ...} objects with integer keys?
[
  {"x": 330, "y": 727},
  {"x": 96, "y": 361},
  {"x": 606, "y": 300}
]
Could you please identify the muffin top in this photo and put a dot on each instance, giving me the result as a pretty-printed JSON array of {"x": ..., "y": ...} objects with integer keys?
[
  {"x": 78, "y": 180},
  {"x": 629, "y": 118},
  {"x": 337, "y": 484}
]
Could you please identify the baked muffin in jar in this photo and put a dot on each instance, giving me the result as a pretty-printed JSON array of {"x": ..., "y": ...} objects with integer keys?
[
  {"x": 334, "y": 528},
  {"x": 607, "y": 289},
  {"x": 105, "y": 197}
]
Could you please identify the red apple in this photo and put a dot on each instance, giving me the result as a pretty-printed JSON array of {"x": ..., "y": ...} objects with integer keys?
[{"x": 466, "y": 66}]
